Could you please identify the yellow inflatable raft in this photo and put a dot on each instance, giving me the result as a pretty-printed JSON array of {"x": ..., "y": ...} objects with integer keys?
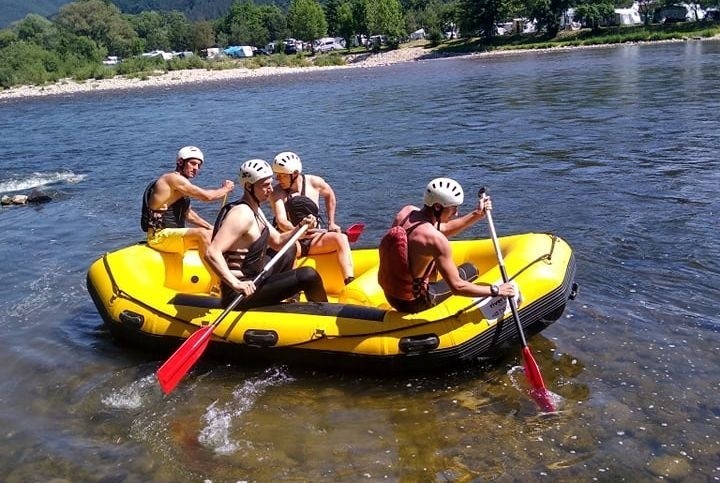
[{"x": 157, "y": 299}]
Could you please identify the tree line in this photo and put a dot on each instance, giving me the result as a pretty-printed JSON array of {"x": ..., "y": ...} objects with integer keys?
[{"x": 74, "y": 42}]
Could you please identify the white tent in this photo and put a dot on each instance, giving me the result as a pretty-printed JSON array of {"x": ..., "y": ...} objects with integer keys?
[{"x": 628, "y": 16}]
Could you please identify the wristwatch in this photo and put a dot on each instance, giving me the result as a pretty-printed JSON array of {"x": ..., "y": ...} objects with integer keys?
[{"x": 494, "y": 290}]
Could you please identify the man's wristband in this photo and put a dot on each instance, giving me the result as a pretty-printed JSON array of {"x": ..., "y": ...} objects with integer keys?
[{"x": 494, "y": 290}]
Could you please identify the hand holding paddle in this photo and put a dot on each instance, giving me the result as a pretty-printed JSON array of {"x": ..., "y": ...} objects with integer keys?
[
  {"x": 541, "y": 395},
  {"x": 180, "y": 362}
]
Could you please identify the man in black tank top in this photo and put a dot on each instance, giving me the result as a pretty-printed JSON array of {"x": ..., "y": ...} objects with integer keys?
[
  {"x": 298, "y": 195},
  {"x": 241, "y": 238},
  {"x": 166, "y": 206}
]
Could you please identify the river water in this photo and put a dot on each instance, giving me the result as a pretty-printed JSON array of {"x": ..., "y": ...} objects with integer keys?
[{"x": 615, "y": 149}]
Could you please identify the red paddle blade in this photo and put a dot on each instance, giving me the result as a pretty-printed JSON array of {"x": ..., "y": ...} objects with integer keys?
[
  {"x": 354, "y": 231},
  {"x": 541, "y": 395},
  {"x": 180, "y": 362}
]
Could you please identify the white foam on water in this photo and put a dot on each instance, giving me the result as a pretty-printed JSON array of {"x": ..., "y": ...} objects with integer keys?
[
  {"x": 219, "y": 417},
  {"x": 519, "y": 382},
  {"x": 36, "y": 180},
  {"x": 50, "y": 290},
  {"x": 131, "y": 396}
]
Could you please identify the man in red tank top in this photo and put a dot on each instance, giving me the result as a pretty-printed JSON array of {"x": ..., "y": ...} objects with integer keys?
[{"x": 428, "y": 250}]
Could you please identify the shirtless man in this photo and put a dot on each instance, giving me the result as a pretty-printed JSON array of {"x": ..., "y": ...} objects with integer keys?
[
  {"x": 428, "y": 249},
  {"x": 166, "y": 206},
  {"x": 296, "y": 196},
  {"x": 238, "y": 252}
]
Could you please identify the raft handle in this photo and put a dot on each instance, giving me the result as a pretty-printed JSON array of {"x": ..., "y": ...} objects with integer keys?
[
  {"x": 419, "y": 343},
  {"x": 260, "y": 338},
  {"x": 132, "y": 319},
  {"x": 574, "y": 291}
]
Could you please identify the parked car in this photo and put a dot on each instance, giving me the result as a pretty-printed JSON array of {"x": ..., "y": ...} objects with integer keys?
[
  {"x": 327, "y": 45},
  {"x": 111, "y": 60},
  {"x": 292, "y": 46}
]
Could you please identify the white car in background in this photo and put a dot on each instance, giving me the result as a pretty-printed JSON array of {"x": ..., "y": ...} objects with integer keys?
[{"x": 328, "y": 45}]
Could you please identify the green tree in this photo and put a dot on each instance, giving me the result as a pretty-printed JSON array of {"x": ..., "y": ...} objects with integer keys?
[
  {"x": 162, "y": 30},
  {"x": 202, "y": 36},
  {"x": 149, "y": 27},
  {"x": 275, "y": 21},
  {"x": 243, "y": 25},
  {"x": 434, "y": 16},
  {"x": 75, "y": 50},
  {"x": 306, "y": 20},
  {"x": 593, "y": 12},
  {"x": 331, "y": 16},
  {"x": 179, "y": 30},
  {"x": 33, "y": 28},
  {"x": 346, "y": 25},
  {"x": 103, "y": 23},
  {"x": 7, "y": 37},
  {"x": 385, "y": 17},
  {"x": 359, "y": 9},
  {"x": 547, "y": 13},
  {"x": 480, "y": 16}
]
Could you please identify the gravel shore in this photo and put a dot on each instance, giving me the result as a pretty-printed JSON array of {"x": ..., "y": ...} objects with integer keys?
[{"x": 198, "y": 76}]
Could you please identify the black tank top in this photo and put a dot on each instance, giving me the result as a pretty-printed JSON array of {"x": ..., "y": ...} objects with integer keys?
[
  {"x": 253, "y": 262},
  {"x": 173, "y": 217},
  {"x": 300, "y": 206}
]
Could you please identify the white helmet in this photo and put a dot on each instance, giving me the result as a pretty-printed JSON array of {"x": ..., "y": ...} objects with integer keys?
[
  {"x": 445, "y": 191},
  {"x": 254, "y": 170},
  {"x": 287, "y": 163},
  {"x": 190, "y": 152}
]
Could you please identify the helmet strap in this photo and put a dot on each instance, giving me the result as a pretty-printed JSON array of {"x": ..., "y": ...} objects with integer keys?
[
  {"x": 437, "y": 213},
  {"x": 252, "y": 194}
]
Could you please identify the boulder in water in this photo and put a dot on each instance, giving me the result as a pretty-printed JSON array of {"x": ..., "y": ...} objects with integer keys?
[
  {"x": 20, "y": 199},
  {"x": 5, "y": 200},
  {"x": 38, "y": 196}
]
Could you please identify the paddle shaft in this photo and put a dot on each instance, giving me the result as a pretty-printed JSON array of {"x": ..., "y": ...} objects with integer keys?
[
  {"x": 505, "y": 278},
  {"x": 180, "y": 362},
  {"x": 259, "y": 276},
  {"x": 532, "y": 371}
]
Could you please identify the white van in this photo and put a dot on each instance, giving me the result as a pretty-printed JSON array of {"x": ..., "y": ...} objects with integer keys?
[{"x": 327, "y": 44}]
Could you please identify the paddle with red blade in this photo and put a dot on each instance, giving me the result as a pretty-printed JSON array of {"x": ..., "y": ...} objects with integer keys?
[
  {"x": 180, "y": 362},
  {"x": 354, "y": 231},
  {"x": 539, "y": 393}
]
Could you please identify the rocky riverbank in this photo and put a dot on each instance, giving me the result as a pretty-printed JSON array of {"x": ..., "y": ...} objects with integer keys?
[{"x": 199, "y": 76}]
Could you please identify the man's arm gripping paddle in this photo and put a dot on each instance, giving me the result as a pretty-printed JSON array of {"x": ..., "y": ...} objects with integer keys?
[{"x": 180, "y": 362}]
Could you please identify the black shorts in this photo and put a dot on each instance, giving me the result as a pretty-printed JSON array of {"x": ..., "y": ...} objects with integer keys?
[
  {"x": 305, "y": 246},
  {"x": 438, "y": 292}
]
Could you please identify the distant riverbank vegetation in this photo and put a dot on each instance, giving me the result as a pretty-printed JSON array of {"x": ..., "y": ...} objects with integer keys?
[{"x": 94, "y": 39}]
